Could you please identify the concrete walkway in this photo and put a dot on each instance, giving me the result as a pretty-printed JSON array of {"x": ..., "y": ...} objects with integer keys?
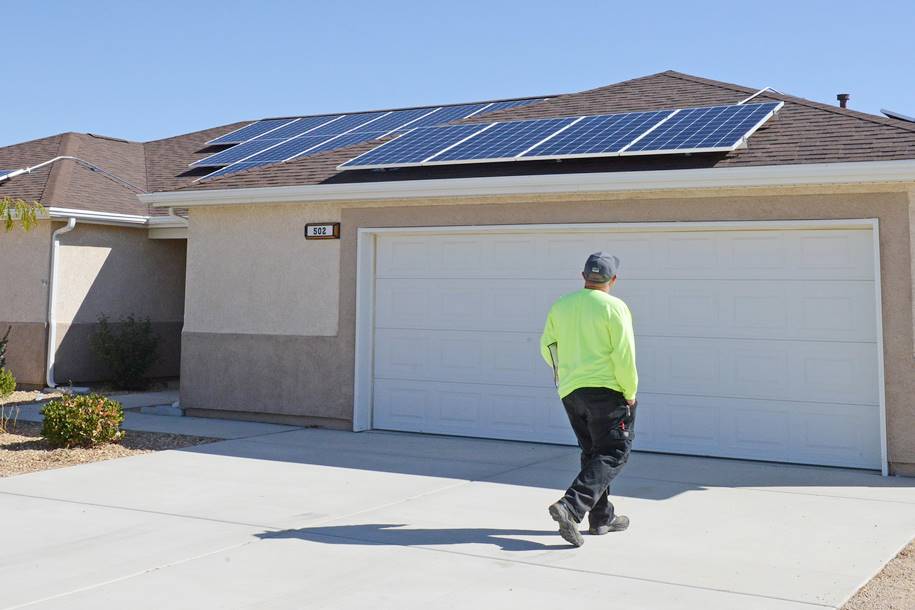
[
  {"x": 320, "y": 519},
  {"x": 192, "y": 426}
]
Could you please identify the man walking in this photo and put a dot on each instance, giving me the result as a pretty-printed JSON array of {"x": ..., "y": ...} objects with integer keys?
[{"x": 589, "y": 342}]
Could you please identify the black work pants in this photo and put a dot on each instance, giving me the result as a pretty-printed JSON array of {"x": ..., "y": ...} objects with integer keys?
[{"x": 604, "y": 427}]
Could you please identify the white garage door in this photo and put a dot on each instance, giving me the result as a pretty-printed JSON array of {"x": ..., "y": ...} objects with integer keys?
[{"x": 751, "y": 343}]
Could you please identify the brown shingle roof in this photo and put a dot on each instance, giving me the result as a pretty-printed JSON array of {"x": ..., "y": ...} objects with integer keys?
[
  {"x": 157, "y": 165},
  {"x": 67, "y": 184},
  {"x": 803, "y": 132}
]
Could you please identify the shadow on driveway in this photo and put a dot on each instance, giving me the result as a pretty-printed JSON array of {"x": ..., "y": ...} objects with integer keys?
[
  {"x": 650, "y": 476},
  {"x": 392, "y": 534}
]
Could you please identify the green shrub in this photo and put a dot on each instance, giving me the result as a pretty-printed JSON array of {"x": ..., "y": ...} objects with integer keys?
[
  {"x": 7, "y": 383},
  {"x": 128, "y": 348},
  {"x": 82, "y": 421}
]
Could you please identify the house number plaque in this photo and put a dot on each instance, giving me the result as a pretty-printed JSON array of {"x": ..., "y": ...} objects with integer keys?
[{"x": 328, "y": 230}]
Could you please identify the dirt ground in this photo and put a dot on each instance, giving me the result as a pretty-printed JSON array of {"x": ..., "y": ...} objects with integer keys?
[
  {"x": 23, "y": 450},
  {"x": 892, "y": 589}
]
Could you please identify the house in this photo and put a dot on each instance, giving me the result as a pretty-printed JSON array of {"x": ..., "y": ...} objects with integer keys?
[
  {"x": 771, "y": 285},
  {"x": 114, "y": 257}
]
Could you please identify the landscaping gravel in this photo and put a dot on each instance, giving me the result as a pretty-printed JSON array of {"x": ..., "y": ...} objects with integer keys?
[
  {"x": 892, "y": 589},
  {"x": 23, "y": 450}
]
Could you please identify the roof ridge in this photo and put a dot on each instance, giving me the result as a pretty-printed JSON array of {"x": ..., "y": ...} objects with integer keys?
[
  {"x": 846, "y": 112},
  {"x": 48, "y": 194}
]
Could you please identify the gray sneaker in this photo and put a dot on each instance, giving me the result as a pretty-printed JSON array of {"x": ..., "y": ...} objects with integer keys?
[
  {"x": 568, "y": 527},
  {"x": 619, "y": 523}
]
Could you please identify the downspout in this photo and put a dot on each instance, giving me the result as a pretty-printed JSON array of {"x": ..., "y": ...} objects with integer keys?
[{"x": 52, "y": 296}]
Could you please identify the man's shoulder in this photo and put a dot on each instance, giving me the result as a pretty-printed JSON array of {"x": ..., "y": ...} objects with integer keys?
[
  {"x": 591, "y": 298},
  {"x": 613, "y": 302},
  {"x": 566, "y": 298}
]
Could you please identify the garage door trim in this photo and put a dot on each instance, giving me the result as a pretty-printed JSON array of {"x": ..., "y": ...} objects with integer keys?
[{"x": 365, "y": 287}]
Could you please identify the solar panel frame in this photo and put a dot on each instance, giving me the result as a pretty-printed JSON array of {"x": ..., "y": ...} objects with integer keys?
[
  {"x": 300, "y": 126},
  {"x": 516, "y": 135},
  {"x": 341, "y": 141},
  {"x": 446, "y": 114},
  {"x": 405, "y": 156},
  {"x": 237, "y": 153},
  {"x": 396, "y": 120},
  {"x": 275, "y": 124},
  {"x": 230, "y": 169},
  {"x": 496, "y": 106},
  {"x": 596, "y": 143},
  {"x": 757, "y": 116},
  {"x": 348, "y": 123}
]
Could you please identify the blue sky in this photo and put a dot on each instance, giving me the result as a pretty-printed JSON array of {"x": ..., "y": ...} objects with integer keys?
[{"x": 147, "y": 70}]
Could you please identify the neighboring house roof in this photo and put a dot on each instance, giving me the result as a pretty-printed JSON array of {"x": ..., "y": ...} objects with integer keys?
[
  {"x": 67, "y": 184},
  {"x": 803, "y": 132}
]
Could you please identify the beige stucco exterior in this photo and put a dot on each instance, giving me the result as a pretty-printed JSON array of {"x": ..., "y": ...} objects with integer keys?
[
  {"x": 116, "y": 271},
  {"x": 24, "y": 258},
  {"x": 270, "y": 318},
  {"x": 101, "y": 270}
]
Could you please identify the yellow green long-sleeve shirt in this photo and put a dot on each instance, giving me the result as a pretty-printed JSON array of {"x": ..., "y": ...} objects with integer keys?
[{"x": 595, "y": 343}]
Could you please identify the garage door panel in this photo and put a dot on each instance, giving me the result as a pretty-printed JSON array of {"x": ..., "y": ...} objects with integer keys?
[
  {"x": 738, "y": 255},
  {"x": 751, "y": 343},
  {"x": 768, "y": 430},
  {"x": 462, "y": 357},
  {"x": 797, "y": 370},
  {"x": 480, "y": 304},
  {"x": 471, "y": 410},
  {"x": 828, "y": 311}
]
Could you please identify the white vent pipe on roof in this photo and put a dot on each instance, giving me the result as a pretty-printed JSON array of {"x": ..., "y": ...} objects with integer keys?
[{"x": 52, "y": 296}]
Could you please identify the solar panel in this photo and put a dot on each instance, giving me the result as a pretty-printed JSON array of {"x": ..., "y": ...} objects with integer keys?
[
  {"x": 231, "y": 169},
  {"x": 250, "y": 131},
  {"x": 236, "y": 153},
  {"x": 415, "y": 146},
  {"x": 715, "y": 128},
  {"x": 508, "y": 104},
  {"x": 396, "y": 119},
  {"x": 596, "y": 135},
  {"x": 299, "y": 126},
  {"x": 341, "y": 141},
  {"x": 321, "y": 128},
  {"x": 307, "y": 145},
  {"x": 502, "y": 142},
  {"x": 349, "y": 122},
  {"x": 287, "y": 149},
  {"x": 446, "y": 114}
]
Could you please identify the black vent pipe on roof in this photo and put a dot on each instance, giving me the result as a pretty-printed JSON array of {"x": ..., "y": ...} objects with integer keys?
[{"x": 843, "y": 99}]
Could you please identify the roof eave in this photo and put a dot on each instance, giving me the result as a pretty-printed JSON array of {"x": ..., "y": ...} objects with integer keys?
[
  {"x": 868, "y": 172},
  {"x": 115, "y": 219}
]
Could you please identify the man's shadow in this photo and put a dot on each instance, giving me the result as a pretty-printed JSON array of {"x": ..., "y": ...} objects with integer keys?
[{"x": 399, "y": 535}]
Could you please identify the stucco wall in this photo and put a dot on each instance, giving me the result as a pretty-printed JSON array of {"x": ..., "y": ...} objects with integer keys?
[
  {"x": 116, "y": 271},
  {"x": 24, "y": 260},
  {"x": 271, "y": 280},
  {"x": 267, "y": 339}
]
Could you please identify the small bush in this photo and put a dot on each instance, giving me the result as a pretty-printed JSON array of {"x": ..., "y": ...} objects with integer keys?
[
  {"x": 3, "y": 341},
  {"x": 82, "y": 421},
  {"x": 7, "y": 383},
  {"x": 128, "y": 349}
]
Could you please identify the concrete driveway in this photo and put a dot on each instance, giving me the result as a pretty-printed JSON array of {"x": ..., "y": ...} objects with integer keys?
[{"x": 320, "y": 519}]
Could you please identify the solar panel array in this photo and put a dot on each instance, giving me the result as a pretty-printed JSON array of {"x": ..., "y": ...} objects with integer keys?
[
  {"x": 689, "y": 130},
  {"x": 278, "y": 140}
]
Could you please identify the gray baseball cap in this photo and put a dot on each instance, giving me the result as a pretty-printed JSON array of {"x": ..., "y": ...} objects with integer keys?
[{"x": 601, "y": 267}]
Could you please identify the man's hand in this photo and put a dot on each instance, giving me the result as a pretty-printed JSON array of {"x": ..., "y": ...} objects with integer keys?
[{"x": 632, "y": 402}]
